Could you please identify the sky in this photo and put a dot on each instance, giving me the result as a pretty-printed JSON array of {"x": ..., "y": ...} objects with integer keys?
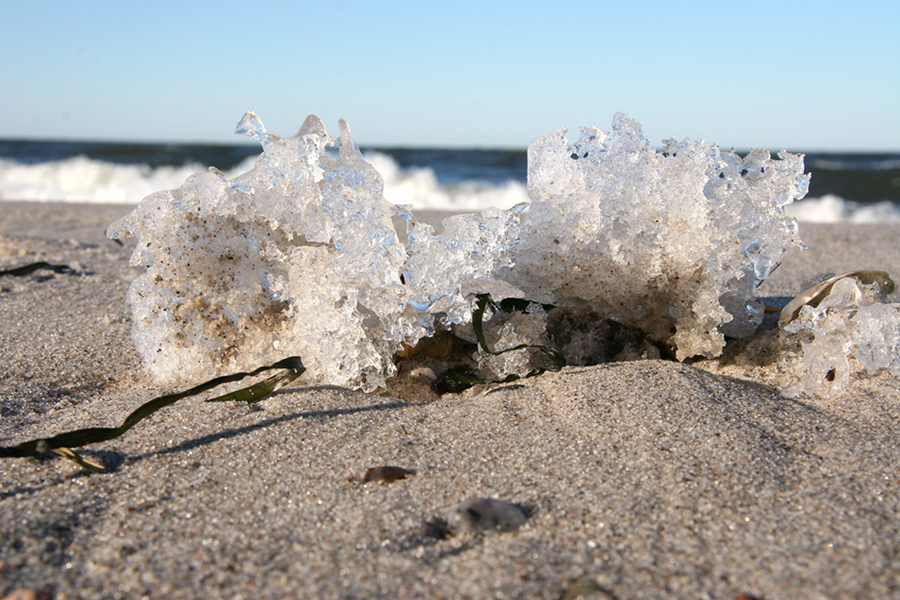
[{"x": 818, "y": 75}]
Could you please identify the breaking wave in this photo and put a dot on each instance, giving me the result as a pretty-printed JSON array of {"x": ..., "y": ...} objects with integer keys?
[{"x": 82, "y": 179}]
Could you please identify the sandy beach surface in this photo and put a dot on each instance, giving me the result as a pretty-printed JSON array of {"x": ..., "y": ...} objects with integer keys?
[{"x": 645, "y": 479}]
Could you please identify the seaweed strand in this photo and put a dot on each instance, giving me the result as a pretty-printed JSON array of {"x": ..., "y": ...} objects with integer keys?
[{"x": 63, "y": 443}]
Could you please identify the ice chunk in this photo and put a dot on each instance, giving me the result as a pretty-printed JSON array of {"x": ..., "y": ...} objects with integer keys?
[
  {"x": 846, "y": 316},
  {"x": 508, "y": 330},
  {"x": 672, "y": 242},
  {"x": 876, "y": 337},
  {"x": 299, "y": 256}
]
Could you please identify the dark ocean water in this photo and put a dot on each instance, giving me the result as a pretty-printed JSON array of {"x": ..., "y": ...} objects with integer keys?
[{"x": 126, "y": 172}]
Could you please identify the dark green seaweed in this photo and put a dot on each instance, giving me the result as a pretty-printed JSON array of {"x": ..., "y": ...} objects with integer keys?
[
  {"x": 37, "y": 266},
  {"x": 63, "y": 443}
]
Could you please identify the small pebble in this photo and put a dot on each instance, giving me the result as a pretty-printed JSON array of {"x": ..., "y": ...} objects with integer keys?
[
  {"x": 485, "y": 515},
  {"x": 423, "y": 373},
  {"x": 386, "y": 474}
]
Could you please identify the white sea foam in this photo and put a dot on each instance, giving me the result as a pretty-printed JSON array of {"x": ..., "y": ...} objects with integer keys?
[
  {"x": 420, "y": 188},
  {"x": 834, "y": 209},
  {"x": 82, "y": 179}
]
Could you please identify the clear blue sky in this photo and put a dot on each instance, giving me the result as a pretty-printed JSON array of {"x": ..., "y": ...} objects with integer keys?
[{"x": 801, "y": 75}]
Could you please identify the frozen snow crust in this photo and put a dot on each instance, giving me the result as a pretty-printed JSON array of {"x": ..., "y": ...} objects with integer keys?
[{"x": 301, "y": 255}]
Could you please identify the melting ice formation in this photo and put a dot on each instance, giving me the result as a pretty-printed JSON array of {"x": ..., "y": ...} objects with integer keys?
[
  {"x": 301, "y": 255},
  {"x": 841, "y": 317}
]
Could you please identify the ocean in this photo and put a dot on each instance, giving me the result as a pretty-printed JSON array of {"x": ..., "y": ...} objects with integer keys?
[{"x": 845, "y": 187}]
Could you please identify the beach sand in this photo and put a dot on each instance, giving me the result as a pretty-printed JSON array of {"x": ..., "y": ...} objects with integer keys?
[{"x": 647, "y": 479}]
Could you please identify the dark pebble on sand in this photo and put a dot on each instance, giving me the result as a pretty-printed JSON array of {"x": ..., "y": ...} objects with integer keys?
[
  {"x": 484, "y": 515},
  {"x": 386, "y": 474}
]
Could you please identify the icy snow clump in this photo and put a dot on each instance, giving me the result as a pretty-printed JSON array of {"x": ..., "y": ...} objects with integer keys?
[
  {"x": 300, "y": 255},
  {"x": 673, "y": 243},
  {"x": 851, "y": 320}
]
